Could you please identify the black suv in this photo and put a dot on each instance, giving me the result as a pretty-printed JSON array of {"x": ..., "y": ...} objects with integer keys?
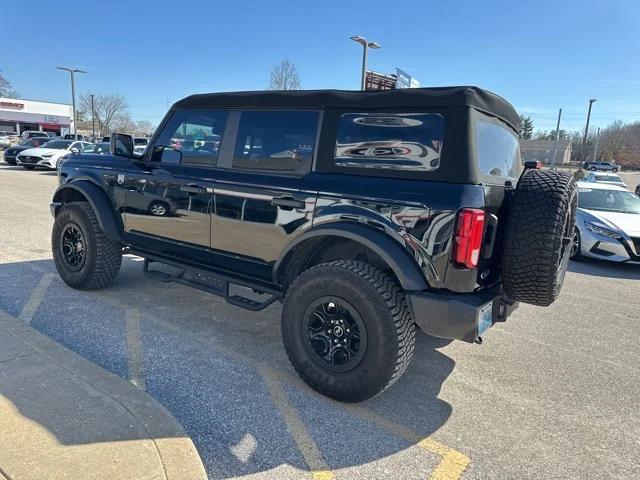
[{"x": 365, "y": 213}]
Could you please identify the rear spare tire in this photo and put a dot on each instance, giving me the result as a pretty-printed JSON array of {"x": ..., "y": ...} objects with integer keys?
[
  {"x": 347, "y": 329},
  {"x": 538, "y": 235}
]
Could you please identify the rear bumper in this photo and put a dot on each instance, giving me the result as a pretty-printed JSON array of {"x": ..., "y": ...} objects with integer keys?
[{"x": 458, "y": 316}]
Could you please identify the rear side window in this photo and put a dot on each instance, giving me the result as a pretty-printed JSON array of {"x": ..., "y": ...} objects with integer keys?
[
  {"x": 498, "y": 150},
  {"x": 396, "y": 141},
  {"x": 276, "y": 141},
  {"x": 191, "y": 137}
]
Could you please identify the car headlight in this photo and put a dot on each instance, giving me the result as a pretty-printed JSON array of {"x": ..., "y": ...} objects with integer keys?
[
  {"x": 47, "y": 155},
  {"x": 602, "y": 231}
]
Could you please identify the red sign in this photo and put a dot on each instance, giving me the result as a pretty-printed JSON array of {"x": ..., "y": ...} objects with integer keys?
[{"x": 12, "y": 105}]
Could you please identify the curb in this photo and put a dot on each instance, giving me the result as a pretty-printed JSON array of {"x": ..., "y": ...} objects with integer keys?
[{"x": 176, "y": 451}]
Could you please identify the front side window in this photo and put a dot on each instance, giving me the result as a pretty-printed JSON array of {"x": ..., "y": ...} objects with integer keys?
[
  {"x": 398, "y": 141},
  {"x": 276, "y": 141},
  {"x": 191, "y": 137},
  {"x": 498, "y": 150}
]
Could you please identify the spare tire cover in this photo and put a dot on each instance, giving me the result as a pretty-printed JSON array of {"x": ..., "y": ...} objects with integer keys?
[{"x": 537, "y": 242}]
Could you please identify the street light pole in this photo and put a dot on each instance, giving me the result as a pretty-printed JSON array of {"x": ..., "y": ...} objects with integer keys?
[
  {"x": 595, "y": 148},
  {"x": 73, "y": 95},
  {"x": 586, "y": 131},
  {"x": 93, "y": 121},
  {"x": 555, "y": 146},
  {"x": 365, "y": 45}
]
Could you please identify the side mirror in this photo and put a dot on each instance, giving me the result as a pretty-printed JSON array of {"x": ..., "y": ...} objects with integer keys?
[
  {"x": 121, "y": 144},
  {"x": 75, "y": 150}
]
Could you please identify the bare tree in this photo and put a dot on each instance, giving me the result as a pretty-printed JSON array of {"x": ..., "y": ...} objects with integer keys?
[
  {"x": 6, "y": 90},
  {"x": 110, "y": 110},
  {"x": 284, "y": 76},
  {"x": 144, "y": 127}
]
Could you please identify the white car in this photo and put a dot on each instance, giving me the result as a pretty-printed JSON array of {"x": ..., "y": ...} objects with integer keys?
[
  {"x": 607, "y": 224},
  {"x": 49, "y": 155},
  {"x": 606, "y": 178}
]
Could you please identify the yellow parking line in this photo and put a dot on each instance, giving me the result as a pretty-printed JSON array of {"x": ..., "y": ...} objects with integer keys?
[
  {"x": 135, "y": 359},
  {"x": 301, "y": 436},
  {"x": 35, "y": 299}
]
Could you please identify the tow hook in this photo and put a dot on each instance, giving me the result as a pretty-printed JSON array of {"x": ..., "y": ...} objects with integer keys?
[{"x": 478, "y": 340}]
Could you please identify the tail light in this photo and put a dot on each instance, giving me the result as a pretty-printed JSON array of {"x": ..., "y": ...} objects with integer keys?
[{"x": 468, "y": 237}]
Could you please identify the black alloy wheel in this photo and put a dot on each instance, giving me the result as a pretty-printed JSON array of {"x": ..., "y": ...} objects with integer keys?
[
  {"x": 337, "y": 336},
  {"x": 72, "y": 245}
]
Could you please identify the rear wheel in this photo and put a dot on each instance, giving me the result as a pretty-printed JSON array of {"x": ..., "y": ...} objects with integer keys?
[
  {"x": 347, "y": 329},
  {"x": 84, "y": 256}
]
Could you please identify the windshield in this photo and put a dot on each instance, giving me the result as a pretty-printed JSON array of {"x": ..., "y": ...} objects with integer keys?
[
  {"x": 608, "y": 200},
  {"x": 57, "y": 144},
  {"x": 608, "y": 178}
]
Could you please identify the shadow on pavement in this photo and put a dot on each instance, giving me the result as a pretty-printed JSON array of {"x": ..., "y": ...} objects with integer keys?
[
  {"x": 204, "y": 360},
  {"x": 602, "y": 268}
]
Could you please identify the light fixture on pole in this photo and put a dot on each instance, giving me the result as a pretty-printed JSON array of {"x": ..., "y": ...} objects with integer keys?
[
  {"x": 583, "y": 154},
  {"x": 365, "y": 45},
  {"x": 72, "y": 71}
]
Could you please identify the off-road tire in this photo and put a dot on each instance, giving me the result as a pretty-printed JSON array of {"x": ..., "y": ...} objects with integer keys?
[
  {"x": 383, "y": 307},
  {"x": 103, "y": 255},
  {"x": 538, "y": 234}
]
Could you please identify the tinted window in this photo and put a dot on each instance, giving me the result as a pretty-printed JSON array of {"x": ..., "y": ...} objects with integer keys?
[
  {"x": 608, "y": 200},
  {"x": 498, "y": 150},
  {"x": 396, "y": 141},
  {"x": 196, "y": 134},
  {"x": 281, "y": 141}
]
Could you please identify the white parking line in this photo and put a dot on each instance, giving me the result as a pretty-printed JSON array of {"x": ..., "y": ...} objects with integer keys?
[{"x": 35, "y": 299}]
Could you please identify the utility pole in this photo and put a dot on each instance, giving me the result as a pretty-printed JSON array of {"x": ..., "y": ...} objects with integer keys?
[
  {"x": 595, "y": 148},
  {"x": 365, "y": 45},
  {"x": 555, "y": 146},
  {"x": 73, "y": 95},
  {"x": 586, "y": 132},
  {"x": 93, "y": 121}
]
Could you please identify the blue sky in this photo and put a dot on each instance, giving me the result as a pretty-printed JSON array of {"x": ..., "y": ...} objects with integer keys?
[{"x": 539, "y": 55}]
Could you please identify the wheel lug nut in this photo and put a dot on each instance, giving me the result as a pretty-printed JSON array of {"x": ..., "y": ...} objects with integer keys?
[{"x": 348, "y": 330}]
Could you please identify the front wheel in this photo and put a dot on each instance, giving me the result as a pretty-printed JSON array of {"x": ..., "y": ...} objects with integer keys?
[
  {"x": 576, "y": 246},
  {"x": 347, "y": 329},
  {"x": 84, "y": 256}
]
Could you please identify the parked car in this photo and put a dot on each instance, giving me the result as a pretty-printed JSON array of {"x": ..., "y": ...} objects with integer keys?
[
  {"x": 361, "y": 244},
  {"x": 74, "y": 136},
  {"x": 29, "y": 134},
  {"x": 607, "y": 224},
  {"x": 608, "y": 178},
  {"x": 11, "y": 153},
  {"x": 5, "y": 140},
  {"x": 100, "y": 148},
  {"x": 602, "y": 166},
  {"x": 50, "y": 155}
]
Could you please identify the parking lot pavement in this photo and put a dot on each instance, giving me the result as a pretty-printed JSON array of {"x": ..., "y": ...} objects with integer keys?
[{"x": 552, "y": 393}]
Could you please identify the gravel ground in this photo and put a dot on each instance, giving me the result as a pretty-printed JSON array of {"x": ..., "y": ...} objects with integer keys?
[{"x": 552, "y": 393}]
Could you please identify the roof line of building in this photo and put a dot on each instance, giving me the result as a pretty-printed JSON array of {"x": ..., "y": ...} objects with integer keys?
[{"x": 32, "y": 100}]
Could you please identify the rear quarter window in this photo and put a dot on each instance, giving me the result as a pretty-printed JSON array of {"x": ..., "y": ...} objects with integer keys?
[
  {"x": 498, "y": 150},
  {"x": 390, "y": 141}
]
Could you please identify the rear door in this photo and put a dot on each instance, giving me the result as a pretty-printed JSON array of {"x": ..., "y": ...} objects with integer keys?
[
  {"x": 266, "y": 194},
  {"x": 169, "y": 196}
]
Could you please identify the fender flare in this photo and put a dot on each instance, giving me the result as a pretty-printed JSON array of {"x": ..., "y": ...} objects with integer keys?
[
  {"x": 109, "y": 222},
  {"x": 392, "y": 252}
]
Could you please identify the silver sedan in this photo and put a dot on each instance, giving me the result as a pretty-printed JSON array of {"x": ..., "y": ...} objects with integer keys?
[{"x": 607, "y": 224}]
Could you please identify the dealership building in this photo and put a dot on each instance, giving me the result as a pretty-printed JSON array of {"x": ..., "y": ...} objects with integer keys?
[{"x": 20, "y": 115}]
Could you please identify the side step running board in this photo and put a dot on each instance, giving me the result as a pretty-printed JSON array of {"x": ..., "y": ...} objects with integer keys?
[{"x": 216, "y": 283}]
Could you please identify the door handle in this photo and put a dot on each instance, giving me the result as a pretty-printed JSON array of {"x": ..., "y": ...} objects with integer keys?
[
  {"x": 192, "y": 188},
  {"x": 287, "y": 203}
]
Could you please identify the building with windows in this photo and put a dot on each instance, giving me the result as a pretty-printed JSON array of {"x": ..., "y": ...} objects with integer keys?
[
  {"x": 542, "y": 151},
  {"x": 19, "y": 115}
]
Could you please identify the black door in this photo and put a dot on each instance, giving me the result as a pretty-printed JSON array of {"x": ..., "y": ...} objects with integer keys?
[
  {"x": 169, "y": 195},
  {"x": 267, "y": 194}
]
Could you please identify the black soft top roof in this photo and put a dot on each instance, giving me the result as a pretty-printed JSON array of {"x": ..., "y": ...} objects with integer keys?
[{"x": 475, "y": 97}]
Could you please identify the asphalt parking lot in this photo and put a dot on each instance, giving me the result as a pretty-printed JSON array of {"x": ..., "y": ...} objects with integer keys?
[{"x": 552, "y": 393}]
